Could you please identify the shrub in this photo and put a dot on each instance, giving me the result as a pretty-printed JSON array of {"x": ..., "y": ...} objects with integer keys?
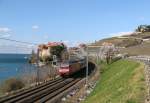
[
  {"x": 57, "y": 50},
  {"x": 11, "y": 85},
  {"x": 130, "y": 101}
]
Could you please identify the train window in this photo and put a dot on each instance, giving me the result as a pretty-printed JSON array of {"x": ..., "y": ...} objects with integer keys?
[
  {"x": 64, "y": 64},
  {"x": 54, "y": 63}
]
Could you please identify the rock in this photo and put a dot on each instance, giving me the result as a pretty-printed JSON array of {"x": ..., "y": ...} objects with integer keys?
[
  {"x": 68, "y": 96},
  {"x": 88, "y": 91},
  {"x": 72, "y": 93},
  {"x": 63, "y": 99},
  {"x": 80, "y": 99}
]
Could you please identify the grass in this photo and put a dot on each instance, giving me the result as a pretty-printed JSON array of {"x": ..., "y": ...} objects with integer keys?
[{"x": 121, "y": 82}]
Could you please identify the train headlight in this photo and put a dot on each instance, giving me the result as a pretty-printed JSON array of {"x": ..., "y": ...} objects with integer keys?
[{"x": 64, "y": 70}]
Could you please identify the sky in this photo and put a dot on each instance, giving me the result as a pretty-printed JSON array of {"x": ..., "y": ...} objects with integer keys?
[{"x": 71, "y": 21}]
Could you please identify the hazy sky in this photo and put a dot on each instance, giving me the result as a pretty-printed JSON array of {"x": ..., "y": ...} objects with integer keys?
[{"x": 41, "y": 21}]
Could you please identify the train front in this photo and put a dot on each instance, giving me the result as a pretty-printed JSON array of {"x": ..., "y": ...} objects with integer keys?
[{"x": 64, "y": 69}]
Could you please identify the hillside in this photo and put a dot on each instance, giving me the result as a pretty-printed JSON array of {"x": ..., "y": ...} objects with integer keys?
[
  {"x": 121, "y": 42},
  {"x": 121, "y": 82},
  {"x": 142, "y": 49},
  {"x": 134, "y": 44}
]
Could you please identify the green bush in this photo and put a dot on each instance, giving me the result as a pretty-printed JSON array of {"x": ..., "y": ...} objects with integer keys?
[
  {"x": 11, "y": 85},
  {"x": 130, "y": 101},
  {"x": 57, "y": 50}
]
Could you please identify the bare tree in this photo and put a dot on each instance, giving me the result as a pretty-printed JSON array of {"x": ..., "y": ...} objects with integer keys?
[{"x": 109, "y": 51}]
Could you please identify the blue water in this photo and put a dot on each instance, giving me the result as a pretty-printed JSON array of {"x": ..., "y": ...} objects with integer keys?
[{"x": 13, "y": 65}]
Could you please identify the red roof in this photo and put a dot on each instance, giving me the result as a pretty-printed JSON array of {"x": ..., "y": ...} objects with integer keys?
[
  {"x": 82, "y": 45},
  {"x": 55, "y": 44}
]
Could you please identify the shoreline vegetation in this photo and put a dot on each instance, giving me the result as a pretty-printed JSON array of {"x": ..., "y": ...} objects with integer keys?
[
  {"x": 11, "y": 84},
  {"x": 120, "y": 82}
]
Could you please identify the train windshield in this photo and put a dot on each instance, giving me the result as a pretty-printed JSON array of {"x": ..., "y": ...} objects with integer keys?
[{"x": 65, "y": 64}]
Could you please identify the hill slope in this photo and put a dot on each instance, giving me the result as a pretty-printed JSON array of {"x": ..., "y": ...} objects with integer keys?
[
  {"x": 134, "y": 44},
  {"x": 121, "y": 82}
]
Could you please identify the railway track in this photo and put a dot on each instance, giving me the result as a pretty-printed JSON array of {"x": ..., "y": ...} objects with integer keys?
[
  {"x": 41, "y": 93},
  {"x": 48, "y": 92}
]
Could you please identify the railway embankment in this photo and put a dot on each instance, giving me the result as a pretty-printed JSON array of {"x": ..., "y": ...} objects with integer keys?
[
  {"x": 146, "y": 61},
  {"x": 120, "y": 82}
]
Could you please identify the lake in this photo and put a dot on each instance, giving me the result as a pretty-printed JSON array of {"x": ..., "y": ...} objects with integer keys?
[{"x": 13, "y": 65}]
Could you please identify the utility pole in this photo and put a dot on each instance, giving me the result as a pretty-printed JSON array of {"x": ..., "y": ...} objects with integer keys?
[
  {"x": 87, "y": 67},
  {"x": 54, "y": 63},
  {"x": 87, "y": 59},
  {"x": 37, "y": 63}
]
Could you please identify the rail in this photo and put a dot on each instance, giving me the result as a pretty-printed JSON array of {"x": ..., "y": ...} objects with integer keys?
[{"x": 41, "y": 93}]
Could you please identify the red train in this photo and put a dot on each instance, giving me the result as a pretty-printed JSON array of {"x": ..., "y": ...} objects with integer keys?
[{"x": 71, "y": 67}]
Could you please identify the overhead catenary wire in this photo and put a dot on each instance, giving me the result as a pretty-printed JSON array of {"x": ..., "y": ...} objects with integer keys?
[{"x": 18, "y": 41}]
